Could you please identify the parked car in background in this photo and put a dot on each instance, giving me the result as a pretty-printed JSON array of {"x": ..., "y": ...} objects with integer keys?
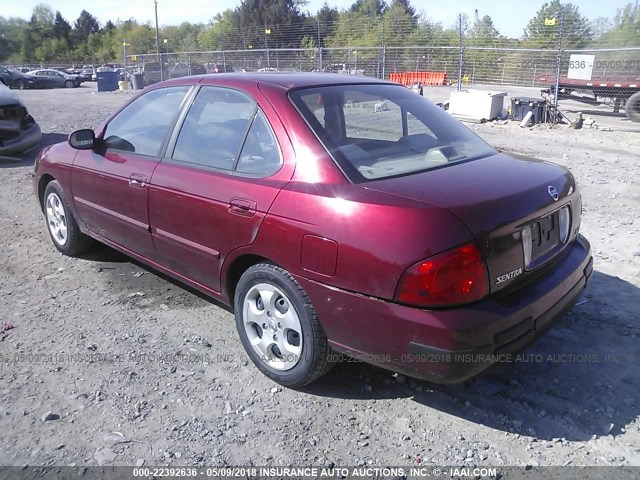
[
  {"x": 218, "y": 68},
  {"x": 19, "y": 131},
  {"x": 393, "y": 235},
  {"x": 184, "y": 69},
  {"x": 151, "y": 72},
  {"x": 86, "y": 74},
  {"x": 16, "y": 79},
  {"x": 47, "y": 78},
  {"x": 62, "y": 69}
]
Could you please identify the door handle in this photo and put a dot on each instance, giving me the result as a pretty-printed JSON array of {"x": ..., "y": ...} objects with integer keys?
[
  {"x": 137, "y": 181},
  {"x": 241, "y": 206}
]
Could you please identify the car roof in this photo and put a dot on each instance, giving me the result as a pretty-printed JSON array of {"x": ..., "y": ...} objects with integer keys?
[{"x": 285, "y": 80}]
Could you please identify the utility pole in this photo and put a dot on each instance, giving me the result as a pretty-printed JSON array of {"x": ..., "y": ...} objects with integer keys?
[
  {"x": 460, "y": 58},
  {"x": 319, "y": 45},
  {"x": 384, "y": 51},
  {"x": 558, "y": 62},
  {"x": 124, "y": 55},
  {"x": 267, "y": 32},
  {"x": 158, "y": 42}
]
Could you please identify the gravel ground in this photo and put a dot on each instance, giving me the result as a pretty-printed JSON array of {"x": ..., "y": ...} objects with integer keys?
[{"x": 111, "y": 363}]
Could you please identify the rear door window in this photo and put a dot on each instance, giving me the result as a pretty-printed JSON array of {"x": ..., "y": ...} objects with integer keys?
[{"x": 224, "y": 129}]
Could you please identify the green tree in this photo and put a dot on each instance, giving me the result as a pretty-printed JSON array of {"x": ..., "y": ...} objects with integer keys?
[
  {"x": 540, "y": 33},
  {"x": 61, "y": 28},
  {"x": 284, "y": 20},
  {"x": 370, "y": 8},
  {"x": 85, "y": 25},
  {"x": 327, "y": 20},
  {"x": 625, "y": 31},
  {"x": 409, "y": 10},
  {"x": 11, "y": 37},
  {"x": 218, "y": 34}
]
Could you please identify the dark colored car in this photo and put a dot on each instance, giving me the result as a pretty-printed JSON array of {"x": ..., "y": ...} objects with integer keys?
[
  {"x": 184, "y": 69},
  {"x": 394, "y": 235},
  {"x": 19, "y": 132},
  {"x": 218, "y": 67},
  {"x": 86, "y": 75},
  {"x": 153, "y": 72},
  {"x": 16, "y": 79},
  {"x": 48, "y": 78}
]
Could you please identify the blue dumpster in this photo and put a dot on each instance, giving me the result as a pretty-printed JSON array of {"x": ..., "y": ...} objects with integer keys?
[{"x": 107, "y": 81}]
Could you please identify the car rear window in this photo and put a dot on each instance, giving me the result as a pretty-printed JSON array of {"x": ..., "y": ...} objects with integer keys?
[{"x": 381, "y": 131}]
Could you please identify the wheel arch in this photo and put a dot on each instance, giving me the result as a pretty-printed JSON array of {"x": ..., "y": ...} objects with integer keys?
[
  {"x": 42, "y": 185},
  {"x": 236, "y": 268}
]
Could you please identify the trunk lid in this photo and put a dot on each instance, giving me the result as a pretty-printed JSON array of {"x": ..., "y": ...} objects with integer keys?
[{"x": 496, "y": 197}]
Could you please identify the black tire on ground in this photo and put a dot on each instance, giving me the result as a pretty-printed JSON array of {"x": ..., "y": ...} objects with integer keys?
[
  {"x": 20, "y": 85},
  {"x": 632, "y": 107},
  {"x": 69, "y": 84},
  {"x": 315, "y": 358},
  {"x": 75, "y": 241}
]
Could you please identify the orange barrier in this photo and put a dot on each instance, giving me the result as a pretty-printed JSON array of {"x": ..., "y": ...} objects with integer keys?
[{"x": 425, "y": 78}]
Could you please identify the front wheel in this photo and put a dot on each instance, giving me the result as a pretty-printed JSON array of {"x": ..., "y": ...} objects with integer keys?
[
  {"x": 63, "y": 228},
  {"x": 632, "y": 107},
  {"x": 20, "y": 85},
  {"x": 279, "y": 328},
  {"x": 69, "y": 84}
]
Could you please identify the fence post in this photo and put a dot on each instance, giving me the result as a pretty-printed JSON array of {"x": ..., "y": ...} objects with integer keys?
[
  {"x": 558, "y": 61},
  {"x": 460, "y": 58},
  {"x": 384, "y": 49},
  {"x": 384, "y": 62},
  {"x": 319, "y": 46}
]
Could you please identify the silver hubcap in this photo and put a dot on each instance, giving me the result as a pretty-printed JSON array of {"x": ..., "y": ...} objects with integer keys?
[
  {"x": 56, "y": 219},
  {"x": 272, "y": 326}
]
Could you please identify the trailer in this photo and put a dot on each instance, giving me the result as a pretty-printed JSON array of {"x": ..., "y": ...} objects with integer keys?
[{"x": 622, "y": 93}]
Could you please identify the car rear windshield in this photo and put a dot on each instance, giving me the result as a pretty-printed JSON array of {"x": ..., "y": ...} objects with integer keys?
[{"x": 381, "y": 131}]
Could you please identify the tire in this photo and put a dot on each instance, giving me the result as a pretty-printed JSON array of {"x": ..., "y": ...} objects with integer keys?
[
  {"x": 69, "y": 84},
  {"x": 62, "y": 226},
  {"x": 632, "y": 107},
  {"x": 20, "y": 85},
  {"x": 290, "y": 323}
]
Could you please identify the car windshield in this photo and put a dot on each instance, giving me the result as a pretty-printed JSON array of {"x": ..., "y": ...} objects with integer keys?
[{"x": 381, "y": 131}]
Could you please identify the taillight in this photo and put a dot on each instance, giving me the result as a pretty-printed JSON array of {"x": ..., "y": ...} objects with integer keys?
[{"x": 450, "y": 278}]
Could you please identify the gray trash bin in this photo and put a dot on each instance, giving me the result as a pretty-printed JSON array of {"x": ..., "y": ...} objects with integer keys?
[{"x": 138, "y": 81}]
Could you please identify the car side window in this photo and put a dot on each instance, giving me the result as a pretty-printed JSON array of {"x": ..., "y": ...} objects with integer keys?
[
  {"x": 214, "y": 128},
  {"x": 260, "y": 154},
  {"x": 143, "y": 125}
]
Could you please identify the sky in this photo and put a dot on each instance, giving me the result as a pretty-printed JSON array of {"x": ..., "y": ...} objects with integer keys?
[{"x": 510, "y": 17}]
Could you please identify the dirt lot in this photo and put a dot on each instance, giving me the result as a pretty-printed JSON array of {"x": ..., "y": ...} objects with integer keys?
[{"x": 171, "y": 384}]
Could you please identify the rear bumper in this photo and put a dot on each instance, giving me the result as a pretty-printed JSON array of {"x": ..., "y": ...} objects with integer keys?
[{"x": 449, "y": 346}]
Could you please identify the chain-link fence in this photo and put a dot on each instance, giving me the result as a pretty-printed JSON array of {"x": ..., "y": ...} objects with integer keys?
[{"x": 560, "y": 54}]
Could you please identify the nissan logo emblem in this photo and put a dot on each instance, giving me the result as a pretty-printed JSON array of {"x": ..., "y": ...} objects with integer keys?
[{"x": 553, "y": 193}]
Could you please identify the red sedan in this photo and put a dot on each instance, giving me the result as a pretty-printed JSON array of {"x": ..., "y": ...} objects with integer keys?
[{"x": 335, "y": 214}]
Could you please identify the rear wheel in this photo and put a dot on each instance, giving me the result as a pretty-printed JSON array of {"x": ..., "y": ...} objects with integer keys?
[
  {"x": 63, "y": 228},
  {"x": 279, "y": 328},
  {"x": 69, "y": 84},
  {"x": 632, "y": 107}
]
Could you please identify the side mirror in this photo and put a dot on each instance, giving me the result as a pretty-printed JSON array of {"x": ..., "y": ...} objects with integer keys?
[{"x": 84, "y": 139}]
